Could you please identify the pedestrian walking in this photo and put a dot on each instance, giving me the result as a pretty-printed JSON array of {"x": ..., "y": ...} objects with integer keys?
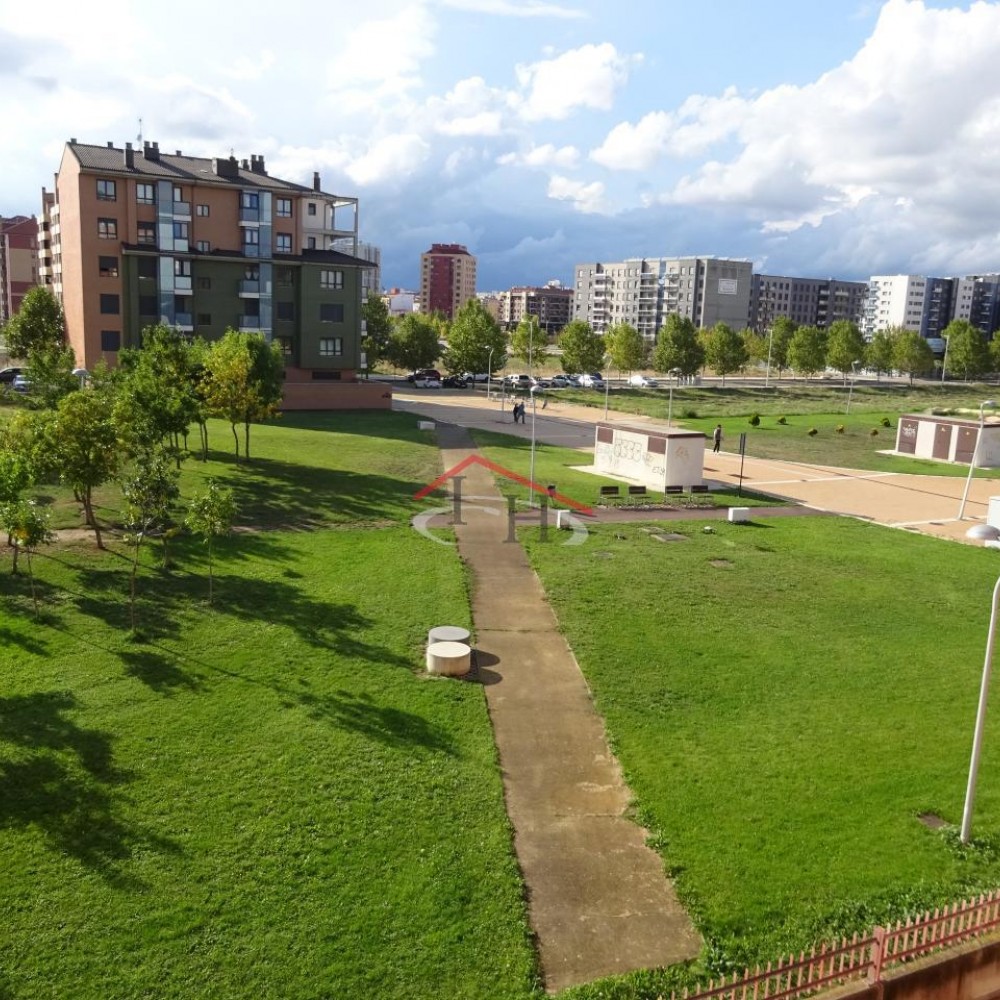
[
  {"x": 517, "y": 411},
  {"x": 717, "y": 437}
]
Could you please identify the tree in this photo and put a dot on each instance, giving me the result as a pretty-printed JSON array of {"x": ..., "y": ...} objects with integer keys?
[
  {"x": 243, "y": 381},
  {"x": 583, "y": 350},
  {"x": 844, "y": 346},
  {"x": 378, "y": 329},
  {"x": 782, "y": 330},
  {"x": 625, "y": 347},
  {"x": 211, "y": 515},
  {"x": 476, "y": 341},
  {"x": 725, "y": 351},
  {"x": 37, "y": 326},
  {"x": 807, "y": 350},
  {"x": 677, "y": 347},
  {"x": 526, "y": 340},
  {"x": 756, "y": 346},
  {"x": 50, "y": 373},
  {"x": 880, "y": 351},
  {"x": 413, "y": 343},
  {"x": 968, "y": 352},
  {"x": 912, "y": 355},
  {"x": 148, "y": 491},
  {"x": 27, "y": 527},
  {"x": 83, "y": 447}
]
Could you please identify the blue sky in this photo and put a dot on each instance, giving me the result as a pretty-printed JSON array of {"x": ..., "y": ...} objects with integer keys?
[{"x": 839, "y": 138}]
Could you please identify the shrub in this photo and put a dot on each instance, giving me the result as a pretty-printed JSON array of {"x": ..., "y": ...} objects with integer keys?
[
  {"x": 839, "y": 428},
  {"x": 690, "y": 414},
  {"x": 782, "y": 420},
  {"x": 812, "y": 432},
  {"x": 886, "y": 422},
  {"x": 754, "y": 420},
  {"x": 874, "y": 432}
]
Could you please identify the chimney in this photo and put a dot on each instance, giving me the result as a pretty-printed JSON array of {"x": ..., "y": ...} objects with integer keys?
[
  {"x": 151, "y": 151},
  {"x": 72, "y": 141},
  {"x": 225, "y": 168},
  {"x": 129, "y": 157},
  {"x": 111, "y": 145},
  {"x": 245, "y": 164},
  {"x": 177, "y": 152},
  {"x": 316, "y": 186},
  {"x": 257, "y": 164}
]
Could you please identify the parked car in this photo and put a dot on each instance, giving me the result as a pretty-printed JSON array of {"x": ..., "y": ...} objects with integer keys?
[
  {"x": 643, "y": 382},
  {"x": 592, "y": 380},
  {"x": 7, "y": 375},
  {"x": 520, "y": 381},
  {"x": 559, "y": 382},
  {"x": 476, "y": 376},
  {"x": 20, "y": 384},
  {"x": 454, "y": 382},
  {"x": 426, "y": 382},
  {"x": 424, "y": 373}
]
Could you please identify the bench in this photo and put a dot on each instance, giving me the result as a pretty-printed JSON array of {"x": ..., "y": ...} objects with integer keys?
[
  {"x": 609, "y": 491},
  {"x": 674, "y": 489},
  {"x": 699, "y": 489},
  {"x": 637, "y": 491}
]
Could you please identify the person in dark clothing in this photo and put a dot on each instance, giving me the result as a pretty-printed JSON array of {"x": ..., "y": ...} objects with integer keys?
[{"x": 717, "y": 437}]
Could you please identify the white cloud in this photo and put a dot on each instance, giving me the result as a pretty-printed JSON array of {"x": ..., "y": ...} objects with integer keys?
[
  {"x": 249, "y": 68},
  {"x": 635, "y": 147},
  {"x": 547, "y": 155},
  {"x": 508, "y": 8},
  {"x": 587, "y": 77},
  {"x": 393, "y": 157},
  {"x": 470, "y": 108},
  {"x": 588, "y": 198}
]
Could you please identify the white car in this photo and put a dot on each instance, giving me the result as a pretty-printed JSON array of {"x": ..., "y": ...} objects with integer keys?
[
  {"x": 592, "y": 380},
  {"x": 643, "y": 382},
  {"x": 476, "y": 376},
  {"x": 560, "y": 382},
  {"x": 427, "y": 383},
  {"x": 20, "y": 384}
]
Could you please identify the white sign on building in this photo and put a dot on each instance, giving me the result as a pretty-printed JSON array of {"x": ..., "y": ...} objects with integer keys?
[{"x": 728, "y": 286}]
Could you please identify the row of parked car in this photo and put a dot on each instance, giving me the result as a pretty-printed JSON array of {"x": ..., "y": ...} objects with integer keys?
[
  {"x": 13, "y": 378},
  {"x": 431, "y": 378}
]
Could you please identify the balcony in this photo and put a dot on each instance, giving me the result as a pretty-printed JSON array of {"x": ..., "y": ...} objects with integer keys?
[
  {"x": 251, "y": 249},
  {"x": 182, "y": 283},
  {"x": 249, "y": 289},
  {"x": 249, "y": 322},
  {"x": 181, "y": 245},
  {"x": 182, "y": 210},
  {"x": 183, "y": 321},
  {"x": 250, "y": 216}
]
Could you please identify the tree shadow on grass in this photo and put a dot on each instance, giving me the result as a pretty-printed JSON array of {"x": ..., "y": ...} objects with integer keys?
[
  {"x": 61, "y": 778},
  {"x": 27, "y": 642},
  {"x": 158, "y": 672}
]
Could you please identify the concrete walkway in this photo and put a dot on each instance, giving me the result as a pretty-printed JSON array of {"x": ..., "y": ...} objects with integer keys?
[{"x": 598, "y": 899}]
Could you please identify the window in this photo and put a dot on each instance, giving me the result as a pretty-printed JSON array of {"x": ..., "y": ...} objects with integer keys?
[
  {"x": 285, "y": 343},
  {"x": 178, "y": 193},
  {"x": 331, "y": 279},
  {"x": 181, "y": 230},
  {"x": 147, "y": 233},
  {"x": 284, "y": 276},
  {"x": 202, "y": 210},
  {"x": 105, "y": 190},
  {"x": 110, "y": 305},
  {"x": 311, "y": 243},
  {"x": 283, "y": 208},
  {"x": 204, "y": 319},
  {"x": 107, "y": 229},
  {"x": 251, "y": 273},
  {"x": 331, "y": 347},
  {"x": 322, "y": 376},
  {"x": 311, "y": 210},
  {"x": 109, "y": 267},
  {"x": 146, "y": 267},
  {"x": 203, "y": 246},
  {"x": 182, "y": 268},
  {"x": 111, "y": 340},
  {"x": 331, "y": 312},
  {"x": 283, "y": 243},
  {"x": 149, "y": 305},
  {"x": 249, "y": 199},
  {"x": 285, "y": 310},
  {"x": 205, "y": 283},
  {"x": 251, "y": 237},
  {"x": 145, "y": 194}
]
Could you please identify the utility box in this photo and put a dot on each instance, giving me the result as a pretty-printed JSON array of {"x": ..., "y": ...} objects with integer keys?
[
  {"x": 739, "y": 515},
  {"x": 657, "y": 459}
]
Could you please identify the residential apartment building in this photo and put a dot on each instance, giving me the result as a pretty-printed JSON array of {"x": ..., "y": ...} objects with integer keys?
[
  {"x": 447, "y": 278},
  {"x": 551, "y": 304},
  {"x": 977, "y": 299},
  {"x": 644, "y": 291},
  {"x": 18, "y": 262},
  {"x": 133, "y": 238},
  {"x": 806, "y": 301},
  {"x": 911, "y": 302}
]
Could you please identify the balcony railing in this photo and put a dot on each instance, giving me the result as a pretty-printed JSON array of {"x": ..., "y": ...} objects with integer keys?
[
  {"x": 251, "y": 249},
  {"x": 182, "y": 283},
  {"x": 249, "y": 322},
  {"x": 249, "y": 215},
  {"x": 184, "y": 321},
  {"x": 249, "y": 287},
  {"x": 182, "y": 209}
]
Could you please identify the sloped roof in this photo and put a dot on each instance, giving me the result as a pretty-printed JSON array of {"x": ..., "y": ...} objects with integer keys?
[{"x": 169, "y": 166}]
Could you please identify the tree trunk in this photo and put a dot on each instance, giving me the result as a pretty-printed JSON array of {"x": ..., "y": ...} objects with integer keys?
[
  {"x": 131, "y": 589},
  {"x": 210, "y": 576},
  {"x": 31, "y": 577},
  {"x": 203, "y": 436},
  {"x": 246, "y": 440},
  {"x": 91, "y": 520},
  {"x": 236, "y": 438},
  {"x": 17, "y": 550}
]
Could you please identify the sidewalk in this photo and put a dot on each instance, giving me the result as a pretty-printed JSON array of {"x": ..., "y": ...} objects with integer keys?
[{"x": 598, "y": 899}]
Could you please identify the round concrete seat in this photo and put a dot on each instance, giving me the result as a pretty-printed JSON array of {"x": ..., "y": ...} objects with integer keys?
[
  {"x": 451, "y": 659},
  {"x": 448, "y": 633}
]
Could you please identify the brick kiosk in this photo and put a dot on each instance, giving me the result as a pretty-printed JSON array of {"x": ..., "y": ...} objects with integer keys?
[
  {"x": 656, "y": 458},
  {"x": 948, "y": 439}
]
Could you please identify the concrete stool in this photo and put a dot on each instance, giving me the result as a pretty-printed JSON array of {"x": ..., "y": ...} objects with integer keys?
[
  {"x": 448, "y": 633},
  {"x": 451, "y": 659},
  {"x": 738, "y": 515}
]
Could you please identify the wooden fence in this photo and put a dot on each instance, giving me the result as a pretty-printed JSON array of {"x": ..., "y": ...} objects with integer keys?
[{"x": 860, "y": 958}]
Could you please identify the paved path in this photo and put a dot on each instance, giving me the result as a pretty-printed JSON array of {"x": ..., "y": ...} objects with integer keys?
[{"x": 599, "y": 901}]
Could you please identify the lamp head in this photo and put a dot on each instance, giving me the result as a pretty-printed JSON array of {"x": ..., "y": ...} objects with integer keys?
[{"x": 983, "y": 533}]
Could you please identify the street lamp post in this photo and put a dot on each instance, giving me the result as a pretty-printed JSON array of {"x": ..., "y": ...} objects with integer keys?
[
  {"x": 975, "y": 455},
  {"x": 489, "y": 374},
  {"x": 990, "y": 535},
  {"x": 531, "y": 473},
  {"x": 672, "y": 375},
  {"x": 770, "y": 342},
  {"x": 854, "y": 378},
  {"x": 607, "y": 385}
]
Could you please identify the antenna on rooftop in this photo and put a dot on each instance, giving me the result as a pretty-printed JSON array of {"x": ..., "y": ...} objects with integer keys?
[{"x": 138, "y": 138}]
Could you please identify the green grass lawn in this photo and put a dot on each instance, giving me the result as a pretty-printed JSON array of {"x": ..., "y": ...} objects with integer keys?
[
  {"x": 268, "y": 797},
  {"x": 785, "y": 698}
]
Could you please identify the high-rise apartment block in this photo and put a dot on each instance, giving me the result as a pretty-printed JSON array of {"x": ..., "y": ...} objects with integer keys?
[
  {"x": 910, "y": 302},
  {"x": 132, "y": 238},
  {"x": 18, "y": 262},
  {"x": 447, "y": 278},
  {"x": 805, "y": 301},
  {"x": 551, "y": 304},
  {"x": 644, "y": 291}
]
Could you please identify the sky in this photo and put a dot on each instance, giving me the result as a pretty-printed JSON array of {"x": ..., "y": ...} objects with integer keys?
[{"x": 838, "y": 138}]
